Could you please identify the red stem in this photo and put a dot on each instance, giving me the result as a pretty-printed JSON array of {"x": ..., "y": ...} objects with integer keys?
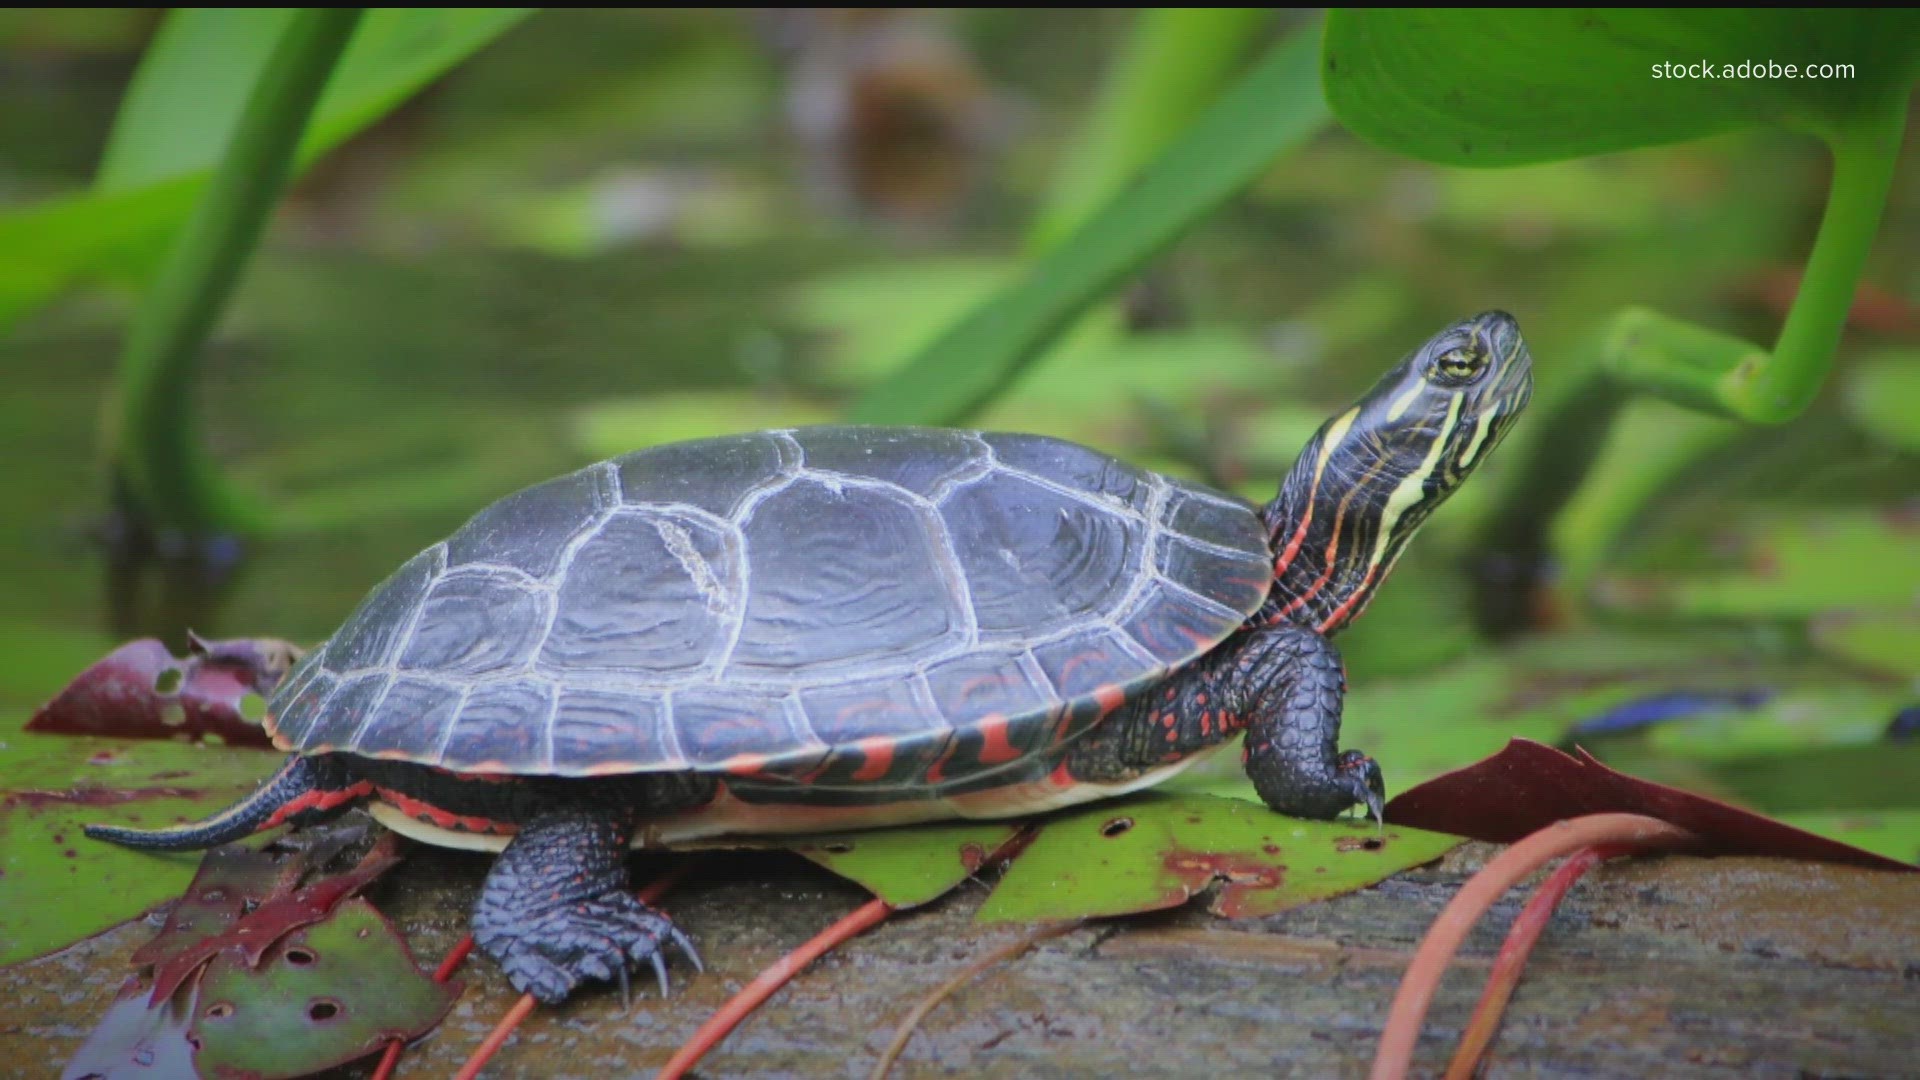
[
  {"x": 1512, "y": 959},
  {"x": 1507, "y": 869},
  {"x": 767, "y": 983}
]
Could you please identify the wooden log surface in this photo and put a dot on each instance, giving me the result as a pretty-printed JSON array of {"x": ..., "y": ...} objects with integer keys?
[{"x": 1670, "y": 966}]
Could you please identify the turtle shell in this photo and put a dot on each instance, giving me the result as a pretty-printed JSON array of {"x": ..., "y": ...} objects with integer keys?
[{"x": 846, "y": 606}]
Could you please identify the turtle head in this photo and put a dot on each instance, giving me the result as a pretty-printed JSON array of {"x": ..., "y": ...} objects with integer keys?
[{"x": 1371, "y": 475}]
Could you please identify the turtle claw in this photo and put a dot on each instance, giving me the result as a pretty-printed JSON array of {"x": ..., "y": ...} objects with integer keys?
[{"x": 551, "y": 953}]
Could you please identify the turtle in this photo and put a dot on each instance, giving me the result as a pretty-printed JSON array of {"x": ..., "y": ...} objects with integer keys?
[{"x": 836, "y": 627}]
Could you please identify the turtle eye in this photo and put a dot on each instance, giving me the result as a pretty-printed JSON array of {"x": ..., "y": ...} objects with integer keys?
[{"x": 1460, "y": 364}]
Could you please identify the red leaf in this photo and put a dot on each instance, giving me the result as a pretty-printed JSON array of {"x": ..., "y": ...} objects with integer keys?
[
  {"x": 140, "y": 691},
  {"x": 1528, "y": 786}
]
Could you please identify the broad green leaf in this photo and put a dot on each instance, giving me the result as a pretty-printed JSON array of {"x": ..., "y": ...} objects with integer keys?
[
  {"x": 1886, "y": 642},
  {"x": 186, "y": 98},
  {"x": 1157, "y": 851},
  {"x": 1893, "y": 833},
  {"x": 179, "y": 117},
  {"x": 1274, "y": 107},
  {"x": 58, "y": 886},
  {"x": 1884, "y": 396},
  {"x": 1173, "y": 64},
  {"x": 912, "y": 866},
  {"x": 1511, "y": 86},
  {"x": 330, "y": 993}
]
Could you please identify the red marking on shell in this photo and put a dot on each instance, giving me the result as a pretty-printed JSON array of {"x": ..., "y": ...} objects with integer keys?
[
  {"x": 994, "y": 747},
  {"x": 745, "y": 766},
  {"x": 319, "y": 800},
  {"x": 425, "y": 811},
  {"x": 613, "y": 768},
  {"x": 876, "y": 758},
  {"x": 388, "y": 755},
  {"x": 1066, "y": 669},
  {"x": 1111, "y": 697}
]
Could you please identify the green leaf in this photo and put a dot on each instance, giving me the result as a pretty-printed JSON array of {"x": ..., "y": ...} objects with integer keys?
[
  {"x": 186, "y": 98},
  {"x": 179, "y": 116},
  {"x": 1884, "y": 396},
  {"x": 912, "y": 866},
  {"x": 1893, "y": 833},
  {"x": 329, "y": 994},
  {"x": 1277, "y": 105},
  {"x": 1511, "y": 86},
  {"x": 1884, "y": 642},
  {"x": 1157, "y": 851},
  {"x": 58, "y": 886}
]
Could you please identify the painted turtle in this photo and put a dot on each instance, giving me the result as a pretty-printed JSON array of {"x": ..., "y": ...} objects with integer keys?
[{"x": 842, "y": 627}]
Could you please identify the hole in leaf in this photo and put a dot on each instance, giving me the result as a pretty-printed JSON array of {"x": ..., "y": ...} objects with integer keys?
[
  {"x": 173, "y": 714},
  {"x": 253, "y": 708},
  {"x": 1373, "y": 843},
  {"x": 837, "y": 849},
  {"x": 1116, "y": 827},
  {"x": 219, "y": 1010},
  {"x": 167, "y": 682},
  {"x": 323, "y": 1010},
  {"x": 300, "y": 956}
]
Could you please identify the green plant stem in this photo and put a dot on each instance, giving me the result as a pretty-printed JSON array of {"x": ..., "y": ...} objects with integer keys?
[
  {"x": 168, "y": 474},
  {"x": 1273, "y": 107},
  {"x": 1174, "y": 63},
  {"x": 1866, "y": 149}
]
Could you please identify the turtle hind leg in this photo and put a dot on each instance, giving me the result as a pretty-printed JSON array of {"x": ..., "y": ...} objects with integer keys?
[
  {"x": 303, "y": 789},
  {"x": 556, "y": 911}
]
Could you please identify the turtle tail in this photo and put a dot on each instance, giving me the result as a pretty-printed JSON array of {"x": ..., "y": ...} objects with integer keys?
[{"x": 302, "y": 785}]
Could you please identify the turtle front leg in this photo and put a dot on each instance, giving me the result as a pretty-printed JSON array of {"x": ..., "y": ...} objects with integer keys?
[
  {"x": 1292, "y": 685},
  {"x": 556, "y": 910}
]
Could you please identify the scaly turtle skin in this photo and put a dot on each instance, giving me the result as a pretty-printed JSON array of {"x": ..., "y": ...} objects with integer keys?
[{"x": 843, "y": 627}]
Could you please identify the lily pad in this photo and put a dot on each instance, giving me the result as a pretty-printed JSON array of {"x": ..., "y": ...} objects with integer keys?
[
  {"x": 327, "y": 994},
  {"x": 1883, "y": 642},
  {"x": 59, "y": 887},
  {"x": 140, "y": 691},
  {"x": 262, "y": 918},
  {"x": 1158, "y": 851},
  {"x": 910, "y": 867}
]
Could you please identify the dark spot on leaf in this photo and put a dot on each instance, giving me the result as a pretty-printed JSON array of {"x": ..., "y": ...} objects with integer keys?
[
  {"x": 323, "y": 1010},
  {"x": 837, "y": 848},
  {"x": 1116, "y": 827},
  {"x": 1271, "y": 849},
  {"x": 300, "y": 956}
]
